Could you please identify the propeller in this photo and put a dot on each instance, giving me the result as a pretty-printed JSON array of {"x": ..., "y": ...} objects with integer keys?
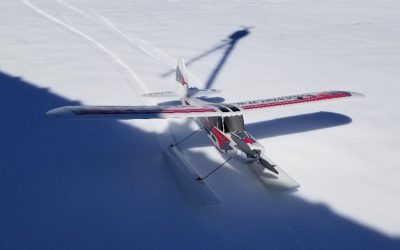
[
  {"x": 254, "y": 154},
  {"x": 267, "y": 165}
]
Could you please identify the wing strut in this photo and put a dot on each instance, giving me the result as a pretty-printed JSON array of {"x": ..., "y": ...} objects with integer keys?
[
  {"x": 204, "y": 177},
  {"x": 185, "y": 138}
]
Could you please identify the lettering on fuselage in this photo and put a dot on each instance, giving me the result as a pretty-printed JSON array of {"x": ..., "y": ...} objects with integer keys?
[
  {"x": 296, "y": 98},
  {"x": 277, "y": 99},
  {"x": 222, "y": 142}
]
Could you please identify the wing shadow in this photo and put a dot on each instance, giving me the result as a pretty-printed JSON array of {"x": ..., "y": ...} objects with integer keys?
[
  {"x": 297, "y": 124},
  {"x": 287, "y": 125}
]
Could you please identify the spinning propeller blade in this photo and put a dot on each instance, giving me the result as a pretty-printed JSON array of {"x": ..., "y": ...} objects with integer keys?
[
  {"x": 254, "y": 154},
  {"x": 267, "y": 165}
]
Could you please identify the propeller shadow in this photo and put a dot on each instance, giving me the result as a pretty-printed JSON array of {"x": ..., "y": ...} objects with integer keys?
[
  {"x": 228, "y": 44},
  {"x": 231, "y": 42}
]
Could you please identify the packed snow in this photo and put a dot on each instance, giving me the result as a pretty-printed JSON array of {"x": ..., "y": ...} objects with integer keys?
[{"x": 107, "y": 184}]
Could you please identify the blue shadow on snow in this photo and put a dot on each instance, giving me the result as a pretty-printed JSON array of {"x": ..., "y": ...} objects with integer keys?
[{"x": 103, "y": 185}]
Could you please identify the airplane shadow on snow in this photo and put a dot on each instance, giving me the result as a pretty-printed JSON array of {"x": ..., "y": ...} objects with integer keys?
[{"x": 99, "y": 184}]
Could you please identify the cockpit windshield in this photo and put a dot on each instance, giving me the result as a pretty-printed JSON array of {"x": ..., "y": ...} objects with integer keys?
[{"x": 242, "y": 135}]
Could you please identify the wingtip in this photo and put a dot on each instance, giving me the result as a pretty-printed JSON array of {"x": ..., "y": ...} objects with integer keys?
[
  {"x": 52, "y": 112},
  {"x": 59, "y": 112},
  {"x": 357, "y": 95}
]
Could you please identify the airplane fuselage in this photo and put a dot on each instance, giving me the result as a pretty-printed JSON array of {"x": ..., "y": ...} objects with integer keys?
[{"x": 223, "y": 131}]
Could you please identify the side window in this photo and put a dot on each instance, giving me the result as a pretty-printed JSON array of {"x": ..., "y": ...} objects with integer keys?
[
  {"x": 213, "y": 120},
  {"x": 219, "y": 125},
  {"x": 233, "y": 123}
]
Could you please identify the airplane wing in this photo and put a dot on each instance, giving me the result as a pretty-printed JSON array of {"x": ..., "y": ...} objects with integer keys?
[
  {"x": 134, "y": 112},
  {"x": 207, "y": 110},
  {"x": 261, "y": 105}
]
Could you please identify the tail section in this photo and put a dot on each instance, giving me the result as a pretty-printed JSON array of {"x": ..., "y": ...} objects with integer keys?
[
  {"x": 184, "y": 91},
  {"x": 181, "y": 77}
]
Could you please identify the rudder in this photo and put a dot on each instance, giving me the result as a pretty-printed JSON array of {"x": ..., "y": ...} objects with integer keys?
[{"x": 181, "y": 77}]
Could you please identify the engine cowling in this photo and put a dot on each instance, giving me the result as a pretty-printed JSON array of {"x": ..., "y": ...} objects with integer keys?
[{"x": 239, "y": 153}]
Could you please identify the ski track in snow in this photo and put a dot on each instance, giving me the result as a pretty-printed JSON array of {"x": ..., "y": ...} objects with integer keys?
[
  {"x": 126, "y": 71},
  {"x": 152, "y": 51},
  {"x": 155, "y": 53},
  {"x": 147, "y": 48},
  {"x": 73, "y": 8},
  {"x": 137, "y": 41},
  {"x": 140, "y": 43}
]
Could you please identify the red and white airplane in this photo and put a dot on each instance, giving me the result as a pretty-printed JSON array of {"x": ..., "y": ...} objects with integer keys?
[{"x": 223, "y": 122}]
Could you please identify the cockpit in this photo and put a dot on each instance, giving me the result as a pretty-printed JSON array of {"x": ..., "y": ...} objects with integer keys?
[{"x": 228, "y": 124}]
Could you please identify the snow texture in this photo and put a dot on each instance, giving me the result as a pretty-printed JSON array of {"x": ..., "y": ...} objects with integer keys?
[{"x": 107, "y": 184}]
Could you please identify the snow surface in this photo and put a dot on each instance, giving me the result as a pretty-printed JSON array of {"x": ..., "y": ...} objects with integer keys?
[{"x": 107, "y": 184}]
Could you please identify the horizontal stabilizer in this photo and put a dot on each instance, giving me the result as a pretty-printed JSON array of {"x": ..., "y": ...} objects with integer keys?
[
  {"x": 191, "y": 92},
  {"x": 166, "y": 94},
  {"x": 203, "y": 92}
]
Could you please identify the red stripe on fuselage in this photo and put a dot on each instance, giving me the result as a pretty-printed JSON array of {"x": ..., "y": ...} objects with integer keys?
[
  {"x": 187, "y": 111},
  {"x": 221, "y": 138},
  {"x": 248, "y": 141}
]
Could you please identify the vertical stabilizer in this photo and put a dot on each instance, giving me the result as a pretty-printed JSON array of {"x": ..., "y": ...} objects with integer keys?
[{"x": 181, "y": 77}]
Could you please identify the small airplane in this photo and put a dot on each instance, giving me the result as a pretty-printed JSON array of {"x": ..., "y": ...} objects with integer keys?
[{"x": 223, "y": 122}]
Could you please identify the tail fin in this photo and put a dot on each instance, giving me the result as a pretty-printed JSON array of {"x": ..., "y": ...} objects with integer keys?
[{"x": 181, "y": 77}]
